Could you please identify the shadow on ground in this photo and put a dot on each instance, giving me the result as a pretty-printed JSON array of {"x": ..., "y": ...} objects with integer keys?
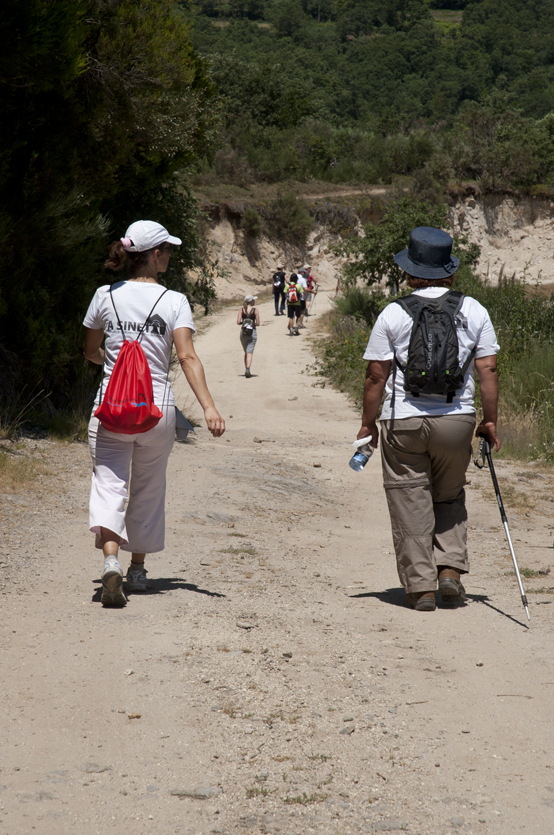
[
  {"x": 160, "y": 586},
  {"x": 395, "y": 597}
]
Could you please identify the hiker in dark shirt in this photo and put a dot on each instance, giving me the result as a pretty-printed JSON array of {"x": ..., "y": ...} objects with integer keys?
[{"x": 279, "y": 297}]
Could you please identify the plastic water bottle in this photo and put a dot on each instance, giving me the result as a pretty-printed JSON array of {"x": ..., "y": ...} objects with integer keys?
[{"x": 364, "y": 451}]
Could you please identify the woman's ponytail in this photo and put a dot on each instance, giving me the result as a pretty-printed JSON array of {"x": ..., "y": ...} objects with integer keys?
[{"x": 118, "y": 258}]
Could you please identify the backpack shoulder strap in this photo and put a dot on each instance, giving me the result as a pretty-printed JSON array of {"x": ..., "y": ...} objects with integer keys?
[
  {"x": 115, "y": 310},
  {"x": 409, "y": 304},
  {"x": 452, "y": 301},
  {"x": 139, "y": 337}
]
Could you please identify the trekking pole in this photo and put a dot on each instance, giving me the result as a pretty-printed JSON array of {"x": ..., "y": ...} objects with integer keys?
[
  {"x": 314, "y": 301},
  {"x": 485, "y": 457}
]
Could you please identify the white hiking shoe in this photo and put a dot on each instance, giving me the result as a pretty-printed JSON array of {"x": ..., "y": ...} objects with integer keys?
[
  {"x": 136, "y": 578},
  {"x": 112, "y": 584}
]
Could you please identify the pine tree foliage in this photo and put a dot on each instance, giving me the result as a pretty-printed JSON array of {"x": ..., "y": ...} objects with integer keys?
[{"x": 103, "y": 101}]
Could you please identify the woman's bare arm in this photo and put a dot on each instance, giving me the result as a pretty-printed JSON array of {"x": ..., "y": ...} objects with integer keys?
[
  {"x": 194, "y": 372},
  {"x": 93, "y": 341}
]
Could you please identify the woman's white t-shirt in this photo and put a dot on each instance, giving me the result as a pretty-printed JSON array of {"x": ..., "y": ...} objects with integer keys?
[
  {"x": 133, "y": 301},
  {"x": 391, "y": 334}
]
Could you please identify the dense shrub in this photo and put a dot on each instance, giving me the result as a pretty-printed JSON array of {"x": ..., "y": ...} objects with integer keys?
[
  {"x": 102, "y": 104},
  {"x": 341, "y": 359},
  {"x": 251, "y": 223},
  {"x": 288, "y": 219}
]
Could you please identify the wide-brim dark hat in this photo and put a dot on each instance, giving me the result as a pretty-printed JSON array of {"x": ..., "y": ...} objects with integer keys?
[{"x": 429, "y": 254}]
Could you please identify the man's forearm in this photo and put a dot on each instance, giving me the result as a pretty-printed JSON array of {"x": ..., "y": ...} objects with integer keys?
[
  {"x": 373, "y": 393},
  {"x": 489, "y": 400},
  {"x": 488, "y": 381}
]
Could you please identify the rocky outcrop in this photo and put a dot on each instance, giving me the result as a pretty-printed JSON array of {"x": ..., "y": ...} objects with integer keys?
[
  {"x": 516, "y": 235},
  {"x": 246, "y": 264}
]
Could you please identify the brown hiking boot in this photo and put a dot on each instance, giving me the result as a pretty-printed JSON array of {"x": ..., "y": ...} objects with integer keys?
[
  {"x": 450, "y": 586},
  {"x": 421, "y": 601}
]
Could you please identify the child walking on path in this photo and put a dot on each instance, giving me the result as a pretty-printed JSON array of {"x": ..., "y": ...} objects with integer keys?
[{"x": 139, "y": 458}]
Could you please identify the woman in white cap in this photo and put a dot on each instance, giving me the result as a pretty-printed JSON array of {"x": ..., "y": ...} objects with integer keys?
[
  {"x": 125, "y": 310},
  {"x": 249, "y": 320}
]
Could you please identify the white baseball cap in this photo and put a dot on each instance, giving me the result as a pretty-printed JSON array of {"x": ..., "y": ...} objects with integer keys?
[
  {"x": 146, "y": 234},
  {"x": 250, "y": 298}
]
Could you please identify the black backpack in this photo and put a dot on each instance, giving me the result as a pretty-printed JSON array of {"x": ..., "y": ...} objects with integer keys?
[{"x": 432, "y": 366}]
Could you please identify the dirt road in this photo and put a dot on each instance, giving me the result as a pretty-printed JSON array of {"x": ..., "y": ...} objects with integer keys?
[{"x": 271, "y": 681}]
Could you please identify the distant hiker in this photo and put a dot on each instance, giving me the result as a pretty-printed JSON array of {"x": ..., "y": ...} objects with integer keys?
[
  {"x": 278, "y": 284},
  {"x": 428, "y": 415},
  {"x": 249, "y": 320},
  {"x": 304, "y": 293},
  {"x": 312, "y": 288},
  {"x": 121, "y": 312},
  {"x": 293, "y": 292}
]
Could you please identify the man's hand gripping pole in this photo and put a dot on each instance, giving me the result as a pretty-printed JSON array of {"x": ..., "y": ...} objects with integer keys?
[{"x": 485, "y": 458}]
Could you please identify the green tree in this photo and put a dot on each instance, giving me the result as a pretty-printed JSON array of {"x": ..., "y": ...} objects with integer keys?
[
  {"x": 288, "y": 17},
  {"x": 103, "y": 103},
  {"x": 260, "y": 93},
  {"x": 372, "y": 255},
  {"x": 288, "y": 219},
  {"x": 250, "y": 9},
  {"x": 320, "y": 9}
]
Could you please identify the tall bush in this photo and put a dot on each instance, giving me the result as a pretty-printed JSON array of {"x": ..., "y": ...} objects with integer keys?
[
  {"x": 371, "y": 256},
  {"x": 288, "y": 219},
  {"x": 102, "y": 103}
]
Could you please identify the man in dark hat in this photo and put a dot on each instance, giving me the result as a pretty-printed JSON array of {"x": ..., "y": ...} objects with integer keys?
[{"x": 428, "y": 415}]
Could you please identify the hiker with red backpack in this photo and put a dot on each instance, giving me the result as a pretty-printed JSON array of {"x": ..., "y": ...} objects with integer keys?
[
  {"x": 133, "y": 422},
  {"x": 293, "y": 293},
  {"x": 312, "y": 286}
]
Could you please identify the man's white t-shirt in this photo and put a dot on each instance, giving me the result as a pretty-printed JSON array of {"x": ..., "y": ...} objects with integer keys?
[
  {"x": 392, "y": 332},
  {"x": 134, "y": 300},
  {"x": 303, "y": 283}
]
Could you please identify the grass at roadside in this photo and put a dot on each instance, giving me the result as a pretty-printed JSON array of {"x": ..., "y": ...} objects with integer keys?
[
  {"x": 18, "y": 471},
  {"x": 340, "y": 357}
]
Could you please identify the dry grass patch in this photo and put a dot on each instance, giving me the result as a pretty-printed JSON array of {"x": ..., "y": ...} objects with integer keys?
[
  {"x": 243, "y": 549},
  {"x": 18, "y": 471}
]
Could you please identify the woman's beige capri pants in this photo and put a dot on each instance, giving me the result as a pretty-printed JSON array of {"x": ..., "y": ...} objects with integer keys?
[{"x": 143, "y": 459}]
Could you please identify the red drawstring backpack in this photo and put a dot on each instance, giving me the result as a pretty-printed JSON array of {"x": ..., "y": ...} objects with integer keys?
[{"x": 128, "y": 406}]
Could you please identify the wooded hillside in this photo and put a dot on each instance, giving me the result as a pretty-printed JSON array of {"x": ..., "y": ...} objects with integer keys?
[{"x": 369, "y": 90}]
